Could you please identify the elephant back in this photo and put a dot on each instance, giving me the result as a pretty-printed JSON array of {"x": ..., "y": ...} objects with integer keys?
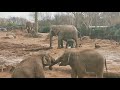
[{"x": 63, "y": 28}]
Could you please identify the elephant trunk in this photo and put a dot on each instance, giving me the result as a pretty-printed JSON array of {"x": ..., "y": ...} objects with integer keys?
[
  {"x": 52, "y": 60},
  {"x": 53, "y": 63}
]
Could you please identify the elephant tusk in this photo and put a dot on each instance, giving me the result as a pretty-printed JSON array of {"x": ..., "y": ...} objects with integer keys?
[
  {"x": 69, "y": 57},
  {"x": 59, "y": 63}
]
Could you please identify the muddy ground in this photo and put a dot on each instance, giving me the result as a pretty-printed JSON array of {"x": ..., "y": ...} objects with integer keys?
[{"x": 14, "y": 50}]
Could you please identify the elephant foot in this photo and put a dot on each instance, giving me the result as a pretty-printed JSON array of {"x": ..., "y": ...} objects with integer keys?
[
  {"x": 76, "y": 46},
  {"x": 51, "y": 47},
  {"x": 50, "y": 68},
  {"x": 58, "y": 47}
]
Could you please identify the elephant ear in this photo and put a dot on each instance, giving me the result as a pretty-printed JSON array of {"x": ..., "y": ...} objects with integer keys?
[
  {"x": 66, "y": 61},
  {"x": 55, "y": 31},
  {"x": 44, "y": 61}
]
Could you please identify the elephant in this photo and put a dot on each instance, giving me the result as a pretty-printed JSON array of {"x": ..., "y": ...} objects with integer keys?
[
  {"x": 33, "y": 66},
  {"x": 29, "y": 26},
  {"x": 81, "y": 62},
  {"x": 63, "y": 32},
  {"x": 70, "y": 42}
]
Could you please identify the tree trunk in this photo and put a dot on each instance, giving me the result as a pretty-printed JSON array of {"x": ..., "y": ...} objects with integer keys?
[{"x": 36, "y": 22}]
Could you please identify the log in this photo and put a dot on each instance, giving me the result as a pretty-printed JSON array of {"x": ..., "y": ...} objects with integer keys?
[{"x": 37, "y": 49}]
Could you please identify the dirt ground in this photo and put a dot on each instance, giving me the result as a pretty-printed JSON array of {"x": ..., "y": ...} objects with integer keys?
[{"x": 14, "y": 50}]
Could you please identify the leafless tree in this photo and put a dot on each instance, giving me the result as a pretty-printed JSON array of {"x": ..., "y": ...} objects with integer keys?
[{"x": 36, "y": 22}]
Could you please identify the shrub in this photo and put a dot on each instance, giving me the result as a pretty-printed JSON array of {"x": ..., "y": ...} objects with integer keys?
[{"x": 44, "y": 30}]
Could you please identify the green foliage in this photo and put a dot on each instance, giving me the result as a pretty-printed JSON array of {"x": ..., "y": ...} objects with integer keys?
[
  {"x": 117, "y": 32},
  {"x": 44, "y": 29},
  {"x": 97, "y": 33},
  {"x": 10, "y": 24},
  {"x": 83, "y": 30},
  {"x": 112, "y": 32}
]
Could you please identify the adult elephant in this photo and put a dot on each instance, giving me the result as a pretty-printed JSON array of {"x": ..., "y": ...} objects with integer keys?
[
  {"x": 29, "y": 26},
  {"x": 81, "y": 62},
  {"x": 63, "y": 32}
]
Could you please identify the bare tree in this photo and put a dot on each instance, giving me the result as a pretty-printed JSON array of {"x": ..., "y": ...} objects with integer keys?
[
  {"x": 36, "y": 22},
  {"x": 64, "y": 18},
  {"x": 79, "y": 19}
]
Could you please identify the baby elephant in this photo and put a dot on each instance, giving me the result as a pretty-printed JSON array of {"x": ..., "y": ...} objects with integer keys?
[
  {"x": 82, "y": 62},
  {"x": 70, "y": 42},
  {"x": 32, "y": 67}
]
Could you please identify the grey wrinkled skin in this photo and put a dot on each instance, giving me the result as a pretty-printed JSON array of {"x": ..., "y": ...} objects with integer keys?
[
  {"x": 82, "y": 62},
  {"x": 32, "y": 67},
  {"x": 29, "y": 26},
  {"x": 63, "y": 32},
  {"x": 70, "y": 42}
]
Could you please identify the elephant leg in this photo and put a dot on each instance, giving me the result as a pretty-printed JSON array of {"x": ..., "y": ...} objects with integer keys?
[
  {"x": 73, "y": 74},
  {"x": 99, "y": 75},
  {"x": 80, "y": 75},
  {"x": 59, "y": 43},
  {"x": 76, "y": 43},
  {"x": 100, "y": 70},
  {"x": 62, "y": 44},
  {"x": 51, "y": 41},
  {"x": 71, "y": 45},
  {"x": 66, "y": 45},
  {"x": 28, "y": 30}
]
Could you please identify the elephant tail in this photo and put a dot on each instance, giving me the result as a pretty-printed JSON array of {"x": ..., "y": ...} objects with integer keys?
[{"x": 106, "y": 64}]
